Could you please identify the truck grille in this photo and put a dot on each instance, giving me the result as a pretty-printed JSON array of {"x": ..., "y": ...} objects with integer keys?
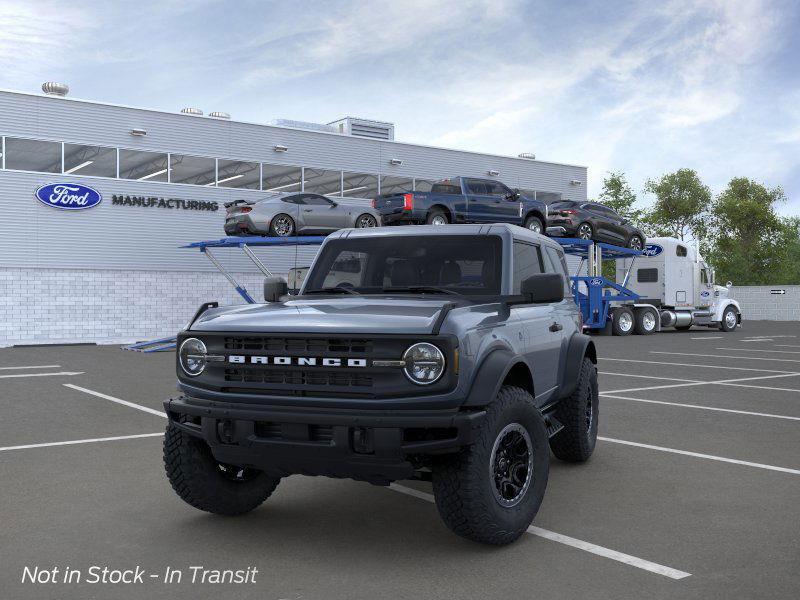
[
  {"x": 336, "y": 346},
  {"x": 298, "y": 377}
]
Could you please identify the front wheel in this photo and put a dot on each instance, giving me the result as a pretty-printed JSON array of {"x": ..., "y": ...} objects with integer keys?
[
  {"x": 729, "y": 320},
  {"x": 635, "y": 243},
  {"x": 365, "y": 221},
  {"x": 490, "y": 491},
  {"x": 207, "y": 484},
  {"x": 534, "y": 224}
]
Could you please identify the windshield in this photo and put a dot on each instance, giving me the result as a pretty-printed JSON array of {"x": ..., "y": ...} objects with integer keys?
[{"x": 462, "y": 264}]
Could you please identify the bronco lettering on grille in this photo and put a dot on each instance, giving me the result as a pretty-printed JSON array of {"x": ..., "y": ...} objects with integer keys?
[{"x": 300, "y": 361}]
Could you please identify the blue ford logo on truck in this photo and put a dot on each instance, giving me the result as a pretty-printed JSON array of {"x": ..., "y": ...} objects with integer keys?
[
  {"x": 68, "y": 196},
  {"x": 652, "y": 250}
]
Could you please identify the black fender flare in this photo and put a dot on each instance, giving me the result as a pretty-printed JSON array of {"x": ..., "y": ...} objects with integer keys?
[
  {"x": 579, "y": 346},
  {"x": 490, "y": 376}
]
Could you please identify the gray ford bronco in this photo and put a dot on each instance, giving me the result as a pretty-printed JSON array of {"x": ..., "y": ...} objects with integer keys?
[{"x": 445, "y": 353}]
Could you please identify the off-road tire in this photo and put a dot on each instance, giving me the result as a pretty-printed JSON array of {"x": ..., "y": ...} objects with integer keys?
[
  {"x": 272, "y": 230},
  {"x": 640, "y": 326},
  {"x": 434, "y": 213},
  {"x": 618, "y": 322},
  {"x": 197, "y": 478},
  {"x": 463, "y": 483},
  {"x": 578, "y": 414},
  {"x": 530, "y": 221}
]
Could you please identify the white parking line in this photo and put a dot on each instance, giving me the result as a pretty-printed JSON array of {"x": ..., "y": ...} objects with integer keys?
[
  {"x": 713, "y": 408},
  {"x": 87, "y": 441},
  {"x": 650, "y": 377},
  {"x": 656, "y": 362},
  {"x": 756, "y": 340},
  {"x": 152, "y": 411},
  {"x": 717, "y": 382},
  {"x": 627, "y": 559},
  {"x": 786, "y": 346},
  {"x": 700, "y": 455},
  {"x": 726, "y": 356},
  {"x": 758, "y": 350},
  {"x": 31, "y": 367},
  {"x": 708, "y": 337},
  {"x": 18, "y": 375}
]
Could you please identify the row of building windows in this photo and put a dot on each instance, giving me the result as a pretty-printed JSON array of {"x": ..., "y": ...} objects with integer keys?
[{"x": 120, "y": 163}]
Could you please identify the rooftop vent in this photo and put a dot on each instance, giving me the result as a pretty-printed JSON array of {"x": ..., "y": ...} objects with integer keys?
[
  {"x": 377, "y": 130},
  {"x": 219, "y": 115},
  {"x": 303, "y": 125},
  {"x": 527, "y": 155},
  {"x": 51, "y": 88},
  {"x": 192, "y": 111}
]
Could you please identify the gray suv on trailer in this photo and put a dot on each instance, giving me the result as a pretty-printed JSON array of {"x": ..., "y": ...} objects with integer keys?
[{"x": 445, "y": 353}]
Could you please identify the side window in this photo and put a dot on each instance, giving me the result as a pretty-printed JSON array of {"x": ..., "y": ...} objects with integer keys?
[
  {"x": 704, "y": 276},
  {"x": 316, "y": 200},
  {"x": 495, "y": 188},
  {"x": 647, "y": 275},
  {"x": 293, "y": 200},
  {"x": 527, "y": 262},
  {"x": 681, "y": 250},
  {"x": 476, "y": 186},
  {"x": 559, "y": 265}
]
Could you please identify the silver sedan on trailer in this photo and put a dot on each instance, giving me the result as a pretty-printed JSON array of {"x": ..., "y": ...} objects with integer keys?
[{"x": 296, "y": 213}]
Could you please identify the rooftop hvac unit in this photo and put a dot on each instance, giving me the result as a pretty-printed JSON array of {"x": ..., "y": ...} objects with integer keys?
[
  {"x": 377, "y": 130},
  {"x": 527, "y": 155},
  {"x": 219, "y": 115},
  {"x": 51, "y": 88},
  {"x": 192, "y": 111},
  {"x": 303, "y": 125}
]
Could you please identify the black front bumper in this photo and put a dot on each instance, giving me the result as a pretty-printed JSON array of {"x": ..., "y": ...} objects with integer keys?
[{"x": 377, "y": 446}]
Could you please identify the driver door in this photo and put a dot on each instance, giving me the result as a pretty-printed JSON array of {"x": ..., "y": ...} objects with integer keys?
[
  {"x": 321, "y": 214},
  {"x": 705, "y": 290}
]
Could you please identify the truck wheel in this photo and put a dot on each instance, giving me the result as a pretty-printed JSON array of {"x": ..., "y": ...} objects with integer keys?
[
  {"x": 208, "y": 485},
  {"x": 281, "y": 226},
  {"x": 437, "y": 217},
  {"x": 534, "y": 224},
  {"x": 622, "y": 322},
  {"x": 729, "y": 320},
  {"x": 578, "y": 413},
  {"x": 490, "y": 491},
  {"x": 645, "y": 321}
]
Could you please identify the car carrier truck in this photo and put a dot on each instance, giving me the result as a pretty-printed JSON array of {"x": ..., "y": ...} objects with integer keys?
[{"x": 673, "y": 278}]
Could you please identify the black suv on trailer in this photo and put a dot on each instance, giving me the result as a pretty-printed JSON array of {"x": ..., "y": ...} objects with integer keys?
[
  {"x": 450, "y": 353},
  {"x": 593, "y": 221}
]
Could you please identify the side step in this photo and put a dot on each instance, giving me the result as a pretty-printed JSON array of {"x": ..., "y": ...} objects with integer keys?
[{"x": 553, "y": 425}]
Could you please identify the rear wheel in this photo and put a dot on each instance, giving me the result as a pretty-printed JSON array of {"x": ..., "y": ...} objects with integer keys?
[
  {"x": 534, "y": 224},
  {"x": 645, "y": 321},
  {"x": 584, "y": 231},
  {"x": 437, "y": 217},
  {"x": 490, "y": 491},
  {"x": 203, "y": 482},
  {"x": 622, "y": 321},
  {"x": 281, "y": 226},
  {"x": 366, "y": 220},
  {"x": 578, "y": 413},
  {"x": 729, "y": 319}
]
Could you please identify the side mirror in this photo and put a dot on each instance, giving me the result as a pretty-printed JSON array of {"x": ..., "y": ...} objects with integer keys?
[
  {"x": 274, "y": 288},
  {"x": 729, "y": 285},
  {"x": 543, "y": 288}
]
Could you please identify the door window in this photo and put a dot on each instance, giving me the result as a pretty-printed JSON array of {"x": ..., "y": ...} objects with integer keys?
[
  {"x": 558, "y": 264},
  {"x": 495, "y": 188},
  {"x": 477, "y": 187},
  {"x": 527, "y": 262},
  {"x": 317, "y": 200}
]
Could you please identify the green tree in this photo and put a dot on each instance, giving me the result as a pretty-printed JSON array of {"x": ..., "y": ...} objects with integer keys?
[
  {"x": 681, "y": 205},
  {"x": 749, "y": 242},
  {"x": 618, "y": 195}
]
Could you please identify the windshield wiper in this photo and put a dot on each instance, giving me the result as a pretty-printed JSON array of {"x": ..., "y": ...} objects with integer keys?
[
  {"x": 333, "y": 290},
  {"x": 421, "y": 289}
]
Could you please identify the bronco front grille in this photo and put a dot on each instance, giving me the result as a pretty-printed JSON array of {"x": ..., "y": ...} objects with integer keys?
[
  {"x": 298, "y": 377},
  {"x": 339, "y": 346}
]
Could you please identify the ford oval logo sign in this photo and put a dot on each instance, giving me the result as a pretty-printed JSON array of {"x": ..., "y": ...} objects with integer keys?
[
  {"x": 652, "y": 250},
  {"x": 705, "y": 294},
  {"x": 68, "y": 196},
  {"x": 595, "y": 282}
]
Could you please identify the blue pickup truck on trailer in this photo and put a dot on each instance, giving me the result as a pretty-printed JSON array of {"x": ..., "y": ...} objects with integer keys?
[{"x": 463, "y": 200}]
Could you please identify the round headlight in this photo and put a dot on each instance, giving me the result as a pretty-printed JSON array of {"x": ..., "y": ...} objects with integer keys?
[
  {"x": 424, "y": 363},
  {"x": 192, "y": 356}
]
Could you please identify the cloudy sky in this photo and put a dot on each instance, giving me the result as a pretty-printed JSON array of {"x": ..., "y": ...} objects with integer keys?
[{"x": 641, "y": 87}]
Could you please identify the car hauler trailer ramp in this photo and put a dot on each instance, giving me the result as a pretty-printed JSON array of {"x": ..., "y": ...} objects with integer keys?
[{"x": 246, "y": 244}]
